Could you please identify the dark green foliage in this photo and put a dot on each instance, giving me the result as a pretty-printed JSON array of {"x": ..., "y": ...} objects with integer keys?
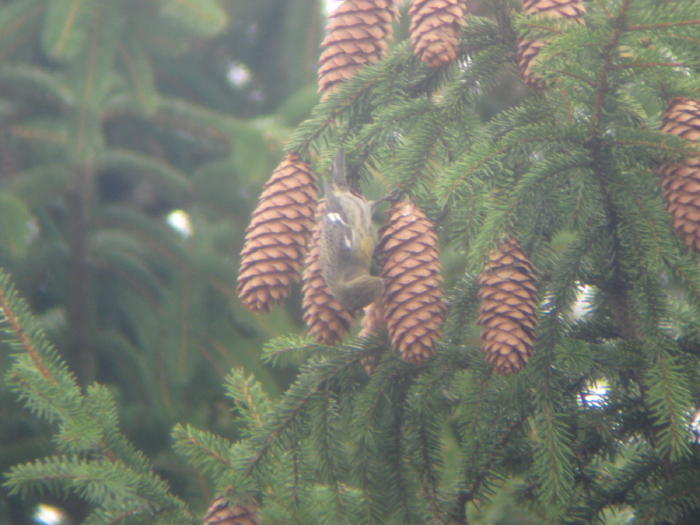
[
  {"x": 94, "y": 459},
  {"x": 596, "y": 429}
]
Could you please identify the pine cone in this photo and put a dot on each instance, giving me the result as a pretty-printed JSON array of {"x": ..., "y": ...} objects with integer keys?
[
  {"x": 372, "y": 325},
  {"x": 525, "y": 56},
  {"x": 555, "y": 8},
  {"x": 682, "y": 118},
  {"x": 435, "y": 29},
  {"x": 221, "y": 512},
  {"x": 529, "y": 49},
  {"x": 681, "y": 181},
  {"x": 413, "y": 305},
  {"x": 508, "y": 310},
  {"x": 325, "y": 317},
  {"x": 357, "y": 34},
  {"x": 276, "y": 239}
]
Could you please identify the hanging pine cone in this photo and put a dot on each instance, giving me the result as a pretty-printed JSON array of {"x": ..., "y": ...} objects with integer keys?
[
  {"x": 682, "y": 118},
  {"x": 529, "y": 49},
  {"x": 413, "y": 305},
  {"x": 221, "y": 512},
  {"x": 357, "y": 34},
  {"x": 525, "y": 56},
  {"x": 373, "y": 322},
  {"x": 325, "y": 317},
  {"x": 276, "y": 239},
  {"x": 555, "y": 8},
  {"x": 372, "y": 325},
  {"x": 507, "y": 288},
  {"x": 681, "y": 181},
  {"x": 435, "y": 29}
]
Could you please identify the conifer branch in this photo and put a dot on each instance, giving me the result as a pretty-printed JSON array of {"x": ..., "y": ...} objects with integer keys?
[
  {"x": 327, "y": 444},
  {"x": 632, "y": 65},
  {"x": 395, "y": 459},
  {"x": 300, "y": 394},
  {"x": 214, "y": 448},
  {"x": 342, "y": 100},
  {"x": 7, "y": 291},
  {"x": 87, "y": 425},
  {"x": 662, "y": 25},
  {"x": 608, "y": 53}
]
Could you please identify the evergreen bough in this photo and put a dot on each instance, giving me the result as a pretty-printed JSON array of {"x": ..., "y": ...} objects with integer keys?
[{"x": 571, "y": 173}]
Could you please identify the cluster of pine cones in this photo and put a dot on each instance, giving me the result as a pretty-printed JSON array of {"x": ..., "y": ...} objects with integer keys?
[
  {"x": 359, "y": 30},
  {"x": 282, "y": 240},
  {"x": 283, "y": 237}
]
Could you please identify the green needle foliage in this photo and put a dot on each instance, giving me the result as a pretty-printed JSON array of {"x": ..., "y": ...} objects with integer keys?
[
  {"x": 596, "y": 429},
  {"x": 94, "y": 459}
]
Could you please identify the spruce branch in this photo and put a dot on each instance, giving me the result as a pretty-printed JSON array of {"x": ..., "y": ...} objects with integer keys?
[
  {"x": 662, "y": 25},
  {"x": 211, "y": 453},
  {"x": 399, "y": 479},
  {"x": 7, "y": 296},
  {"x": 344, "y": 99},
  {"x": 296, "y": 400},
  {"x": 103, "y": 483},
  {"x": 250, "y": 399},
  {"x": 331, "y": 464},
  {"x": 428, "y": 460},
  {"x": 609, "y": 52},
  {"x": 120, "y": 477},
  {"x": 553, "y": 455},
  {"x": 633, "y": 65},
  {"x": 670, "y": 402}
]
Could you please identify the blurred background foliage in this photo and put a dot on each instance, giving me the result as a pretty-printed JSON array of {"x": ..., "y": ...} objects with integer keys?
[{"x": 134, "y": 139}]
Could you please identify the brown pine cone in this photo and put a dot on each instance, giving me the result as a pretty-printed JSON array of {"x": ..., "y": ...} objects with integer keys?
[
  {"x": 326, "y": 319},
  {"x": 434, "y": 29},
  {"x": 555, "y": 8},
  {"x": 681, "y": 181},
  {"x": 373, "y": 321},
  {"x": 413, "y": 297},
  {"x": 682, "y": 118},
  {"x": 525, "y": 56},
  {"x": 221, "y": 512},
  {"x": 529, "y": 49},
  {"x": 508, "y": 314},
  {"x": 372, "y": 325},
  {"x": 357, "y": 34},
  {"x": 277, "y": 237}
]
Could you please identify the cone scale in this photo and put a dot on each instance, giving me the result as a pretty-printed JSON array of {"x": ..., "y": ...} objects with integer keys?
[
  {"x": 680, "y": 181},
  {"x": 277, "y": 237},
  {"x": 508, "y": 293}
]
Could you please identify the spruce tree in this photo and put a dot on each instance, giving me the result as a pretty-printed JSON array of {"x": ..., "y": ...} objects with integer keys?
[{"x": 563, "y": 215}]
